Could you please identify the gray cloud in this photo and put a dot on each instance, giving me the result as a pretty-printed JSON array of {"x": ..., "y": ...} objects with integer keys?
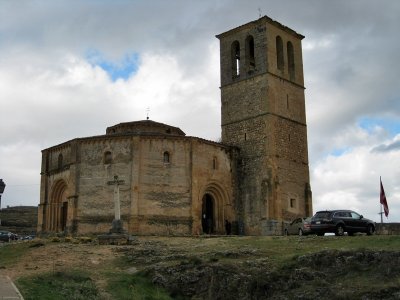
[
  {"x": 395, "y": 146},
  {"x": 50, "y": 94}
]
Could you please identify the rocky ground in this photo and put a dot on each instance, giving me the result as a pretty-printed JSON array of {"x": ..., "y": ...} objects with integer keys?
[
  {"x": 246, "y": 273},
  {"x": 228, "y": 268}
]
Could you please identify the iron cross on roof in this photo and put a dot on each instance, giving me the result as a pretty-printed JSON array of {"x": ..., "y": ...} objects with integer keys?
[{"x": 115, "y": 181}]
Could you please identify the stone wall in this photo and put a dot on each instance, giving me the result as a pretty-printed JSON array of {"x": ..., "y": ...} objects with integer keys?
[
  {"x": 157, "y": 196},
  {"x": 388, "y": 228},
  {"x": 95, "y": 202}
]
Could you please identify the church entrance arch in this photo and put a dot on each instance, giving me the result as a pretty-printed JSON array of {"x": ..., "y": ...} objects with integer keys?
[
  {"x": 213, "y": 206},
  {"x": 57, "y": 211}
]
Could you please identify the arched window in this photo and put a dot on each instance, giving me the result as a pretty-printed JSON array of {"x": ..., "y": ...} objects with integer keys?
[
  {"x": 250, "y": 60},
  {"x": 279, "y": 53},
  {"x": 215, "y": 163},
  {"x": 166, "y": 157},
  {"x": 290, "y": 53},
  {"x": 235, "y": 59},
  {"x": 107, "y": 157},
  {"x": 60, "y": 161}
]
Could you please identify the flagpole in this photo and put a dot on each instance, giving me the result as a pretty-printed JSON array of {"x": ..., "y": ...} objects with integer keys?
[{"x": 381, "y": 213}]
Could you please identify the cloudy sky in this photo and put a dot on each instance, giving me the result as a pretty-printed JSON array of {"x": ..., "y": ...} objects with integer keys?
[{"x": 71, "y": 68}]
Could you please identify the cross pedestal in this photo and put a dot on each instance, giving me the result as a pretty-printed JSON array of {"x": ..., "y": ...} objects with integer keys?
[
  {"x": 117, "y": 234},
  {"x": 117, "y": 225}
]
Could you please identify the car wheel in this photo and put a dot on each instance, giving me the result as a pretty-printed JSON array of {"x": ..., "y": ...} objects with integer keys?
[
  {"x": 370, "y": 229},
  {"x": 339, "y": 230},
  {"x": 300, "y": 231}
]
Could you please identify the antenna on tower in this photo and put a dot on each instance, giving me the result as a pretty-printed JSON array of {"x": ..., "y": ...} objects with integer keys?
[
  {"x": 259, "y": 12},
  {"x": 147, "y": 113}
]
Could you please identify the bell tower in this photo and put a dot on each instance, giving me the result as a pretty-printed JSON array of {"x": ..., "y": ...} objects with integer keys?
[{"x": 263, "y": 114}]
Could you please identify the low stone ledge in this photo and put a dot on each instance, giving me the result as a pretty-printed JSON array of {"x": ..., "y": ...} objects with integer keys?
[{"x": 115, "y": 239}]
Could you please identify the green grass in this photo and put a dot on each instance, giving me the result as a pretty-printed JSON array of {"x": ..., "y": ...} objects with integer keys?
[
  {"x": 58, "y": 286},
  {"x": 135, "y": 287},
  {"x": 282, "y": 249},
  {"x": 10, "y": 253}
]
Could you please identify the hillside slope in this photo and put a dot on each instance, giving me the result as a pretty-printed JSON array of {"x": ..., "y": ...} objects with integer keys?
[{"x": 310, "y": 267}]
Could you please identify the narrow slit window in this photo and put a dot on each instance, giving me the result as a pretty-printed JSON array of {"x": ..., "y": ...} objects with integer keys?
[
  {"x": 287, "y": 101},
  {"x": 214, "y": 163},
  {"x": 107, "y": 157},
  {"x": 60, "y": 161},
  {"x": 166, "y": 157}
]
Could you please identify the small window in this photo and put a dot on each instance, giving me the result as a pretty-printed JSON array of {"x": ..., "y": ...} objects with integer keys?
[
  {"x": 292, "y": 203},
  {"x": 287, "y": 101},
  {"x": 235, "y": 52},
  {"x": 107, "y": 157},
  {"x": 215, "y": 165},
  {"x": 279, "y": 53},
  {"x": 60, "y": 161},
  {"x": 166, "y": 157}
]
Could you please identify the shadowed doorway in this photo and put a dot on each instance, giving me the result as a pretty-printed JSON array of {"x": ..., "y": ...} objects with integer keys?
[
  {"x": 57, "y": 211},
  {"x": 208, "y": 214}
]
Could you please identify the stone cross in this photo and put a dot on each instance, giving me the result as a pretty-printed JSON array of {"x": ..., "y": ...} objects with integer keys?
[{"x": 117, "y": 224}]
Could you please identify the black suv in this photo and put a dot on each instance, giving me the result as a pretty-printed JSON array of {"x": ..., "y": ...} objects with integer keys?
[{"x": 341, "y": 221}]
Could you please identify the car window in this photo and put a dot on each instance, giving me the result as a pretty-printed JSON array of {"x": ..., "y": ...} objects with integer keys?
[
  {"x": 295, "y": 221},
  {"x": 342, "y": 214},
  {"x": 322, "y": 215},
  {"x": 355, "y": 215}
]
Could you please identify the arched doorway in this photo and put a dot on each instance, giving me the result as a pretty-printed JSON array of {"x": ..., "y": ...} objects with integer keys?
[
  {"x": 215, "y": 209},
  {"x": 208, "y": 221},
  {"x": 57, "y": 211}
]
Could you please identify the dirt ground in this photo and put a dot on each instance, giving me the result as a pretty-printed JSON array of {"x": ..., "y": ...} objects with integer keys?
[{"x": 59, "y": 256}]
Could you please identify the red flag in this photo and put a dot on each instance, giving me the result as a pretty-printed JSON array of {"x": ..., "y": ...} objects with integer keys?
[{"x": 383, "y": 201}]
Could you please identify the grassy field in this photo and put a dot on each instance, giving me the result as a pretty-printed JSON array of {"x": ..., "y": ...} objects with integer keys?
[{"x": 207, "y": 268}]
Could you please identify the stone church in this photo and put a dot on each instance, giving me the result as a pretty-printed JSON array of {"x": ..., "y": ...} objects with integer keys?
[{"x": 256, "y": 178}]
